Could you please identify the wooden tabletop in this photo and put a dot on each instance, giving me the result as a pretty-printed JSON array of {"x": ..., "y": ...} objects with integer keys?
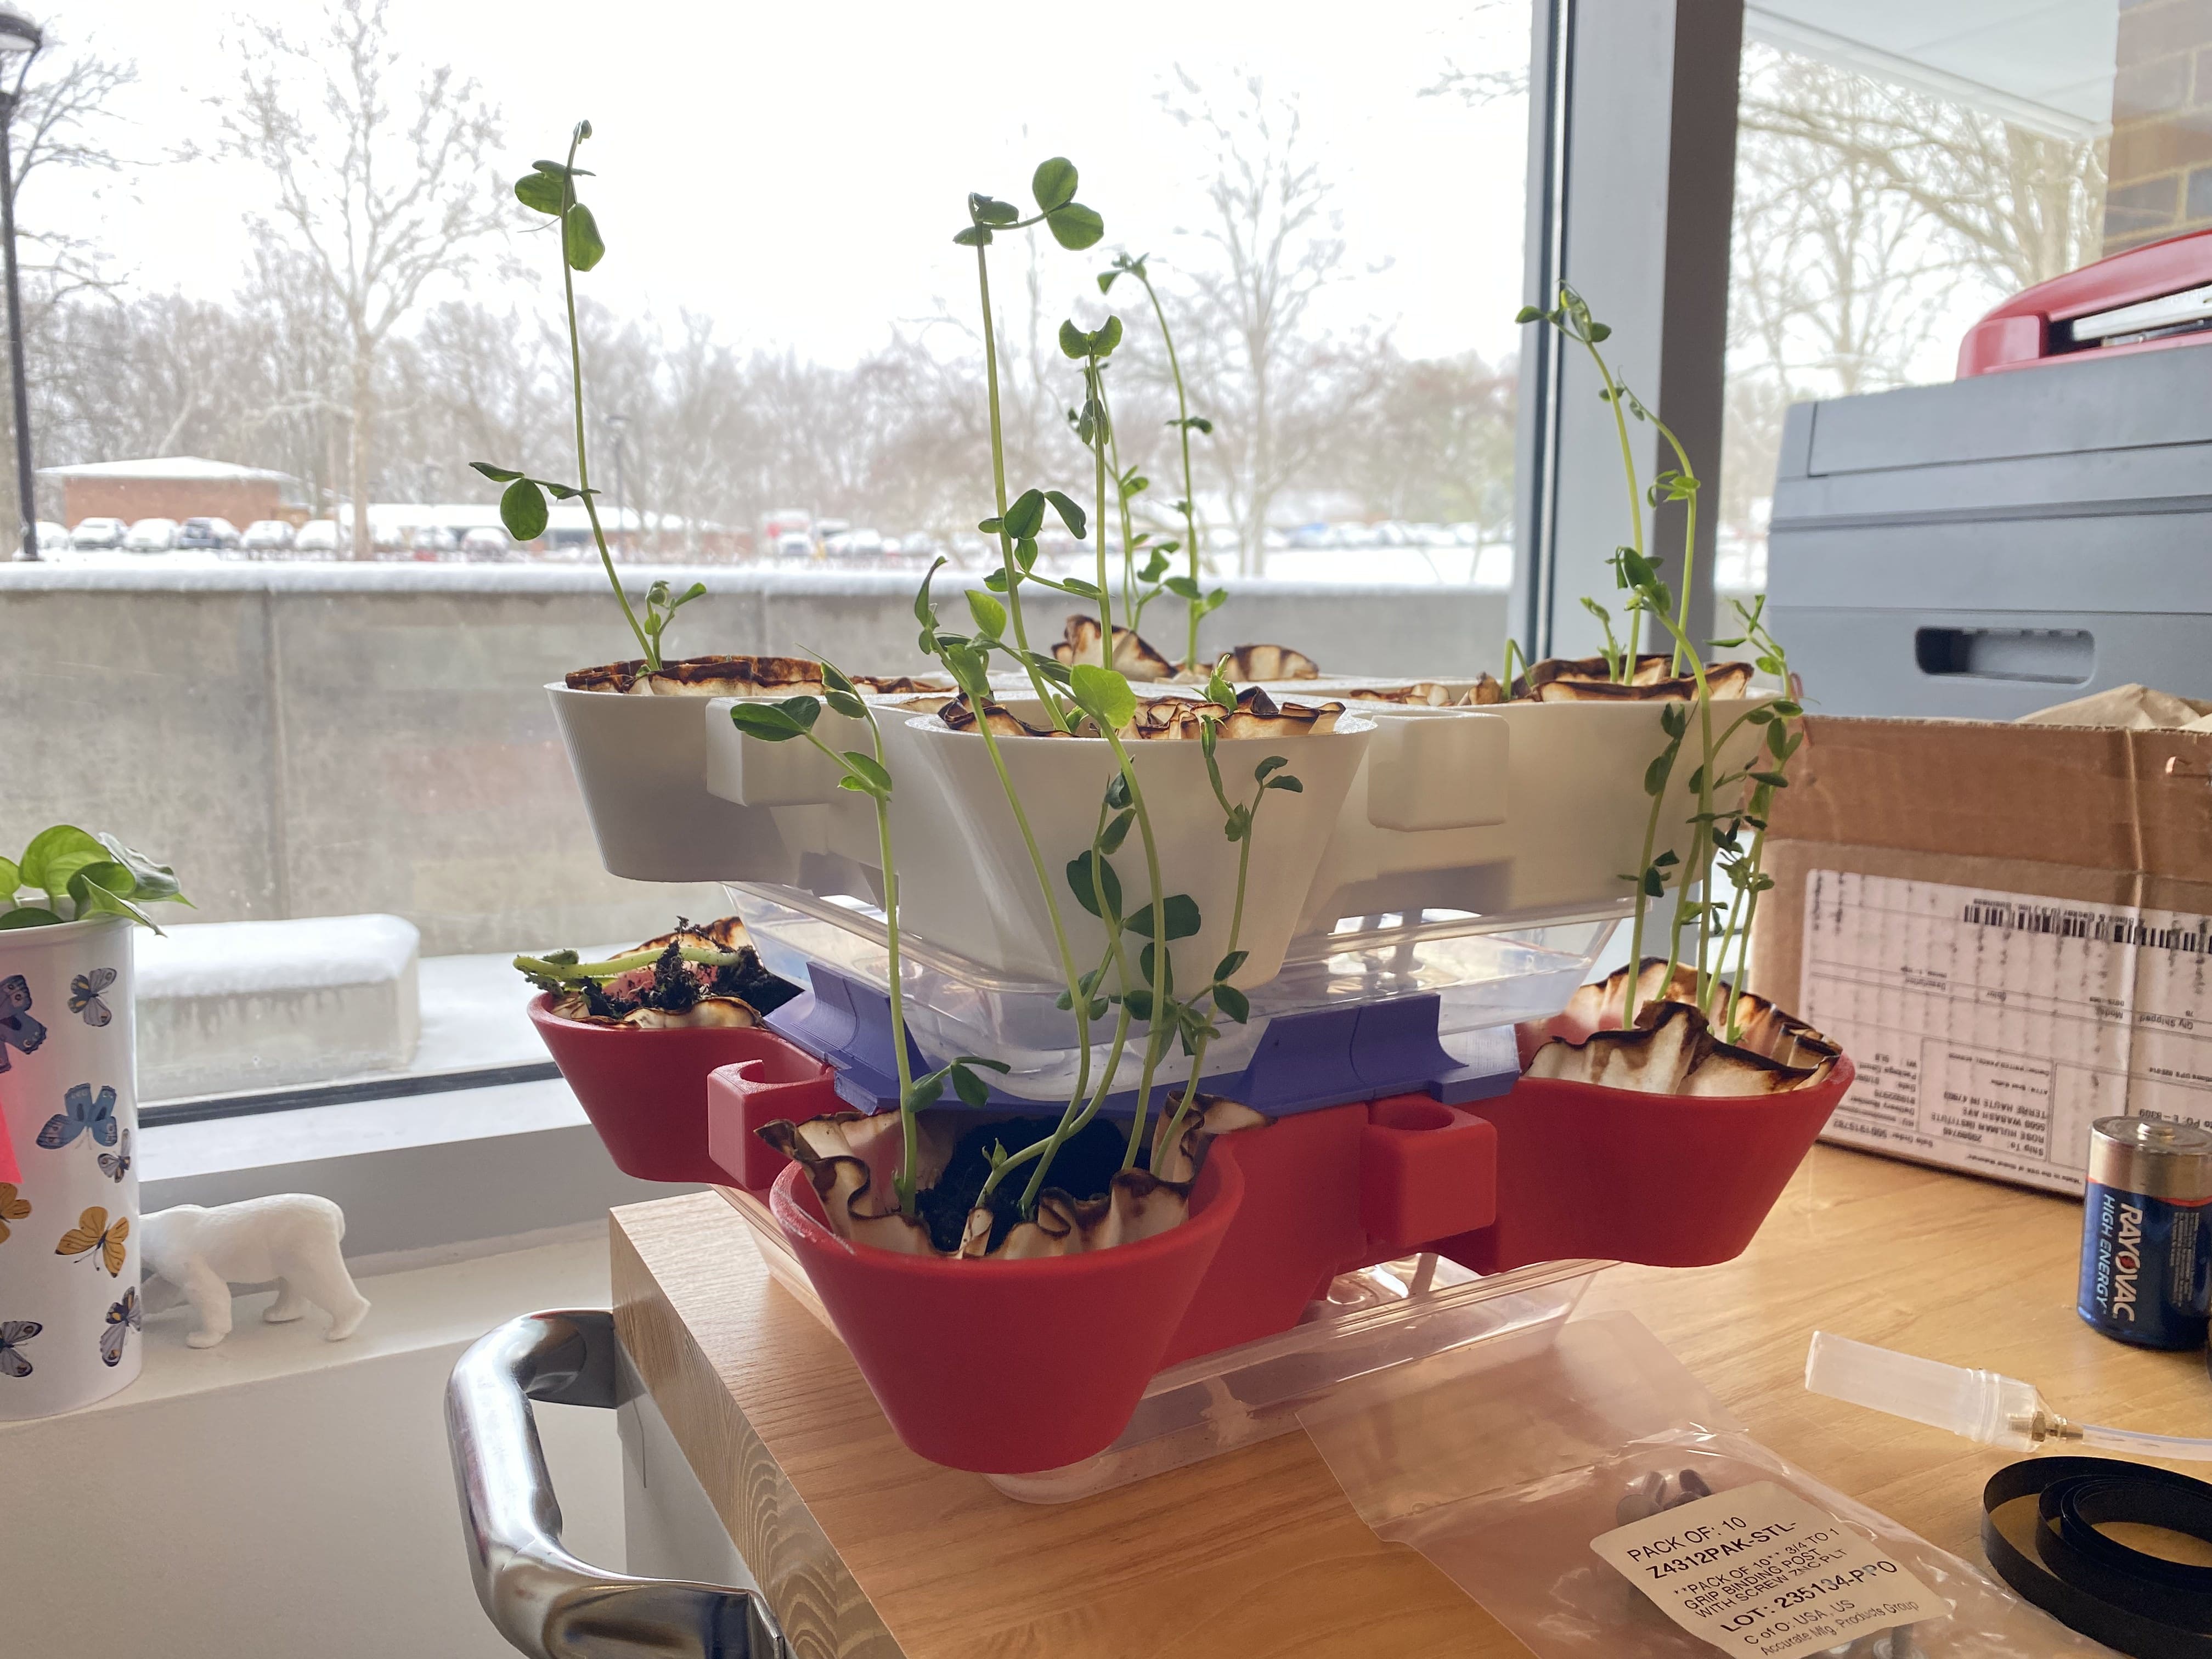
[{"x": 865, "y": 1549}]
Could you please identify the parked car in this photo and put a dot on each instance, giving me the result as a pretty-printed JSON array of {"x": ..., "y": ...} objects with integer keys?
[
  {"x": 435, "y": 538},
  {"x": 267, "y": 536},
  {"x": 151, "y": 536},
  {"x": 207, "y": 532},
  {"x": 794, "y": 544},
  {"x": 51, "y": 537},
  {"x": 94, "y": 533},
  {"x": 485, "y": 543},
  {"x": 317, "y": 536}
]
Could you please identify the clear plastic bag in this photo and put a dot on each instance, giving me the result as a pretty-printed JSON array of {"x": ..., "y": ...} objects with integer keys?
[{"x": 1502, "y": 1461}]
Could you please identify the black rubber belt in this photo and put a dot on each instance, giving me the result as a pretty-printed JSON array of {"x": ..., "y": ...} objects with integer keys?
[{"x": 2143, "y": 1605}]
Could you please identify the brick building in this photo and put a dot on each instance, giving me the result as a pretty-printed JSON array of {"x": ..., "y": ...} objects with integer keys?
[
  {"x": 176, "y": 487},
  {"x": 2161, "y": 154}
]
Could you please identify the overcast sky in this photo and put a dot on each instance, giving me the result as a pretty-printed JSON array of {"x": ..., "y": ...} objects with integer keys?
[{"x": 796, "y": 170}]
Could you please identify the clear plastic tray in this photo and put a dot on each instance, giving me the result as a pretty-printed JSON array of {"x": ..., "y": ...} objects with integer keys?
[
  {"x": 1370, "y": 1321},
  {"x": 1487, "y": 972}
]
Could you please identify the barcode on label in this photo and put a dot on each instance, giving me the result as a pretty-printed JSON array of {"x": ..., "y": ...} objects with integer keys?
[{"x": 2193, "y": 939}]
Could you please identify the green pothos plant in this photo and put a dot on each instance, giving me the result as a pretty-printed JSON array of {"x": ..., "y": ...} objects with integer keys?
[
  {"x": 1727, "y": 831},
  {"x": 550, "y": 188}
]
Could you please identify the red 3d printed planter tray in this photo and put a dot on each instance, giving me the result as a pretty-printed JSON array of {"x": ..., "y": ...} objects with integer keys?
[{"x": 1549, "y": 1171}]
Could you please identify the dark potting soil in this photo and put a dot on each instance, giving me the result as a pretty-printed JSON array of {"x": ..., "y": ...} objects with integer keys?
[{"x": 1083, "y": 1168}]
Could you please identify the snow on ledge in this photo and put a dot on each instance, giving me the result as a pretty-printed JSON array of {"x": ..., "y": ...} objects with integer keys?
[{"x": 247, "y": 958}]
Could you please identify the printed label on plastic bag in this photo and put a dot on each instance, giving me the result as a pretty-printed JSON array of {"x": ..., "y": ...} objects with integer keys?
[{"x": 1758, "y": 1570}]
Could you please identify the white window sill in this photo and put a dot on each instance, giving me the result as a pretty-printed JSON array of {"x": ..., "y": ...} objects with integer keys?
[{"x": 420, "y": 1177}]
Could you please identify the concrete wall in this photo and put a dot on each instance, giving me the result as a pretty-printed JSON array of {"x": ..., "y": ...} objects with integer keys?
[{"x": 320, "y": 740}]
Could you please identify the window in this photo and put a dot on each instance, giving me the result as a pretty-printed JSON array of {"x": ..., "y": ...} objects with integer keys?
[
  {"x": 1902, "y": 169},
  {"x": 785, "y": 377}
]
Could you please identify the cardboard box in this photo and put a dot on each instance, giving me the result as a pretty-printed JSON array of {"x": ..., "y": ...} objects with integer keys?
[{"x": 2009, "y": 928}]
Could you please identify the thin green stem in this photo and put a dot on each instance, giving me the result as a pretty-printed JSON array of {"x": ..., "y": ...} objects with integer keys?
[
  {"x": 1613, "y": 394},
  {"x": 614, "y": 966},
  {"x": 1008, "y": 562},
  {"x": 1094, "y": 384},
  {"x": 1190, "y": 494},
  {"x": 1236, "y": 929},
  {"x": 648, "y": 646}
]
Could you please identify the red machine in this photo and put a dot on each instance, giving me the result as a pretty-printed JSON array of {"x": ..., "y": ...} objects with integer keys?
[{"x": 2144, "y": 300}]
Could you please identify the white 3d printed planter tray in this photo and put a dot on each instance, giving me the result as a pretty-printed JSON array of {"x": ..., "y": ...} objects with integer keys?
[
  {"x": 1370, "y": 1321},
  {"x": 1441, "y": 992}
]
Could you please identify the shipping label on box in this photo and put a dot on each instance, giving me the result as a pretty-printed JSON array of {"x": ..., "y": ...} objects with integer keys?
[{"x": 1990, "y": 1027}]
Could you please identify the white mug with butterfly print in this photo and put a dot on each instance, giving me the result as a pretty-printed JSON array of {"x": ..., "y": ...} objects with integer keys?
[{"x": 68, "y": 1264}]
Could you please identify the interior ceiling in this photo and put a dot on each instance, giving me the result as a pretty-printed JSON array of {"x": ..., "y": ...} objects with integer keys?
[{"x": 2044, "y": 63}]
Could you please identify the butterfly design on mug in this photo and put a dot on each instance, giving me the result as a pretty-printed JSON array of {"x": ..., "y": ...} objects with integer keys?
[
  {"x": 115, "y": 1165},
  {"x": 95, "y": 1233},
  {"x": 84, "y": 995},
  {"x": 14, "y": 1333},
  {"x": 12, "y": 1208},
  {"x": 121, "y": 1319},
  {"x": 82, "y": 1111},
  {"x": 18, "y": 1031}
]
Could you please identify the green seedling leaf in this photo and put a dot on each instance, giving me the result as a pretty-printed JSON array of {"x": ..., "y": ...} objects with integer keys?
[
  {"x": 1230, "y": 964},
  {"x": 1025, "y": 552},
  {"x": 580, "y": 244},
  {"x": 1106, "y": 337},
  {"x": 11, "y": 877},
  {"x": 990, "y": 616},
  {"x": 1115, "y": 832},
  {"x": 1654, "y": 885},
  {"x": 1181, "y": 912},
  {"x": 496, "y": 474},
  {"x": 995, "y": 580},
  {"x": 1675, "y": 719},
  {"x": 1532, "y": 314},
  {"x": 973, "y": 236},
  {"x": 766, "y": 721},
  {"x": 970, "y": 1088},
  {"x": 1772, "y": 780},
  {"x": 871, "y": 771},
  {"x": 1103, "y": 694},
  {"x": 1778, "y": 740},
  {"x": 804, "y": 711},
  {"x": 522, "y": 510},
  {"x": 1286, "y": 783},
  {"x": 1266, "y": 768},
  {"x": 1074, "y": 343},
  {"x": 1026, "y": 516},
  {"x": 1655, "y": 775},
  {"x": 28, "y": 916},
  {"x": 989, "y": 210},
  {"x": 1238, "y": 823},
  {"x": 1075, "y": 227},
  {"x": 845, "y": 703},
  {"x": 1140, "y": 1004},
  {"x": 1232, "y": 1002},
  {"x": 1786, "y": 709},
  {"x": 1070, "y": 515},
  {"x": 924, "y": 1091},
  {"x": 561, "y": 492},
  {"x": 1053, "y": 183},
  {"x": 1079, "y": 870},
  {"x": 1183, "y": 587},
  {"x": 1080, "y": 589},
  {"x": 541, "y": 192}
]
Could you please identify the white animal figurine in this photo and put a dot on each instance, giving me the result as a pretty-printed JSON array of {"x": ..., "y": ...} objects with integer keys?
[{"x": 291, "y": 1237}]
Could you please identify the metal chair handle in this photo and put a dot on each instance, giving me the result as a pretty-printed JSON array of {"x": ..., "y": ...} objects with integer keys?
[{"x": 543, "y": 1600}]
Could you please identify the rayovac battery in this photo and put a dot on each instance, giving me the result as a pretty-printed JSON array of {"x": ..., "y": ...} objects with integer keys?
[{"x": 2146, "y": 1257}]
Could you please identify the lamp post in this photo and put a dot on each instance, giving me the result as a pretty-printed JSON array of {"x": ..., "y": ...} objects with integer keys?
[
  {"x": 17, "y": 34},
  {"x": 619, "y": 422}
]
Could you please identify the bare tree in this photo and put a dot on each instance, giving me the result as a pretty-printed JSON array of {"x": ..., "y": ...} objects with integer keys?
[
  {"x": 1274, "y": 387},
  {"x": 382, "y": 179},
  {"x": 1860, "y": 208}
]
